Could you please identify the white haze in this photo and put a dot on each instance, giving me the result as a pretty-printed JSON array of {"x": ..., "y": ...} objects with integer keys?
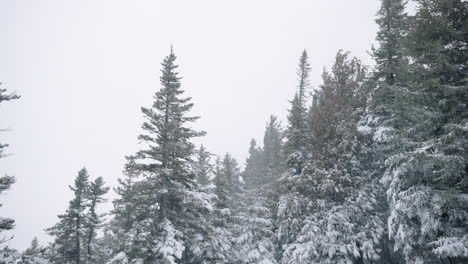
[{"x": 84, "y": 68}]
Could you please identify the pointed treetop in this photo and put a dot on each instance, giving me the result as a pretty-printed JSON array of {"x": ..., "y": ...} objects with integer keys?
[{"x": 303, "y": 72}]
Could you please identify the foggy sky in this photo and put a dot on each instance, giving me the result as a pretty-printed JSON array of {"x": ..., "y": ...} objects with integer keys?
[{"x": 84, "y": 69}]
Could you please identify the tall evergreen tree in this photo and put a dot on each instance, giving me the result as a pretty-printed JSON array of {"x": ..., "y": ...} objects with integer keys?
[
  {"x": 272, "y": 150},
  {"x": 174, "y": 219},
  {"x": 9, "y": 255},
  {"x": 33, "y": 254},
  {"x": 303, "y": 72},
  {"x": 296, "y": 130},
  {"x": 427, "y": 177},
  {"x": 327, "y": 213},
  {"x": 6, "y": 181},
  {"x": 227, "y": 182},
  {"x": 5, "y": 97},
  {"x": 253, "y": 229},
  {"x": 391, "y": 104},
  {"x": 265, "y": 164},
  {"x": 203, "y": 168},
  {"x": 389, "y": 55},
  {"x": 70, "y": 232},
  {"x": 227, "y": 188},
  {"x": 128, "y": 228},
  {"x": 254, "y": 167},
  {"x": 94, "y": 220}
]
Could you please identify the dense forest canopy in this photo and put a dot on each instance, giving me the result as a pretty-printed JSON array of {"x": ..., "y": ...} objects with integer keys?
[{"x": 370, "y": 167}]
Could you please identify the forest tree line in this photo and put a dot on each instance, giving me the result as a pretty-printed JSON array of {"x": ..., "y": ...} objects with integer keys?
[{"x": 370, "y": 167}]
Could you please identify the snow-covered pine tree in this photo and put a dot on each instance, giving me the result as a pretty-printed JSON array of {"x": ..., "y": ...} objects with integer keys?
[
  {"x": 335, "y": 196},
  {"x": 6, "y": 181},
  {"x": 33, "y": 254},
  {"x": 272, "y": 151},
  {"x": 128, "y": 229},
  {"x": 203, "y": 167},
  {"x": 253, "y": 228},
  {"x": 227, "y": 189},
  {"x": 389, "y": 55},
  {"x": 295, "y": 132},
  {"x": 254, "y": 167},
  {"x": 5, "y": 97},
  {"x": 9, "y": 255},
  {"x": 227, "y": 182},
  {"x": 69, "y": 233},
  {"x": 95, "y": 196},
  {"x": 264, "y": 165},
  {"x": 174, "y": 222},
  {"x": 291, "y": 203},
  {"x": 427, "y": 178},
  {"x": 391, "y": 104},
  {"x": 33, "y": 248}
]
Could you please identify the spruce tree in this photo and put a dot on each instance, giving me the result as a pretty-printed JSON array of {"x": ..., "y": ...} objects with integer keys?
[
  {"x": 174, "y": 221},
  {"x": 203, "y": 167},
  {"x": 427, "y": 178},
  {"x": 391, "y": 104},
  {"x": 6, "y": 181},
  {"x": 33, "y": 254},
  {"x": 254, "y": 167},
  {"x": 94, "y": 220},
  {"x": 9, "y": 255},
  {"x": 295, "y": 133},
  {"x": 127, "y": 230},
  {"x": 389, "y": 55},
  {"x": 69, "y": 233},
  {"x": 222, "y": 248},
  {"x": 327, "y": 214},
  {"x": 227, "y": 182},
  {"x": 303, "y": 72},
  {"x": 5, "y": 97},
  {"x": 253, "y": 229},
  {"x": 272, "y": 150}
]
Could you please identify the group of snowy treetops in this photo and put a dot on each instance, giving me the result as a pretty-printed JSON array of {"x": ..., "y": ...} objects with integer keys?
[{"x": 371, "y": 167}]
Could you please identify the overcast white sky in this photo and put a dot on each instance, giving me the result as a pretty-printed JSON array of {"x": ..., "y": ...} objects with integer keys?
[{"x": 84, "y": 68}]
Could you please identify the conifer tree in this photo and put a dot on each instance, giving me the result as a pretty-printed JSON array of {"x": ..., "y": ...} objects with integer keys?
[
  {"x": 33, "y": 254},
  {"x": 391, "y": 104},
  {"x": 94, "y": 220},
  {"x": 203, "y": 167},
  {"x": 253, "y": 230},
  {"x": 295, "y": 133},
  {"x": 227, "y": 182},
  {"x": 126, "y": 230},
  {"x": 254, "y": 167},
  {"x": 174, "y": 221},
  {"x": 427, "y": 177},
  {"x": 303, "y": 73},
  {"x": 389, "y": 55},
  {"x": 5, "y": 97},
  {"x": 9, "y": 255},
  {"x": 227, "y": 188},
  {"x": 327, "y": 214},
  {"x": 265, "y": 165},
  {"x": 6, "y": 181},
  {"x": 272, "y": 150},
  {"x": 70, "y": 232}
]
